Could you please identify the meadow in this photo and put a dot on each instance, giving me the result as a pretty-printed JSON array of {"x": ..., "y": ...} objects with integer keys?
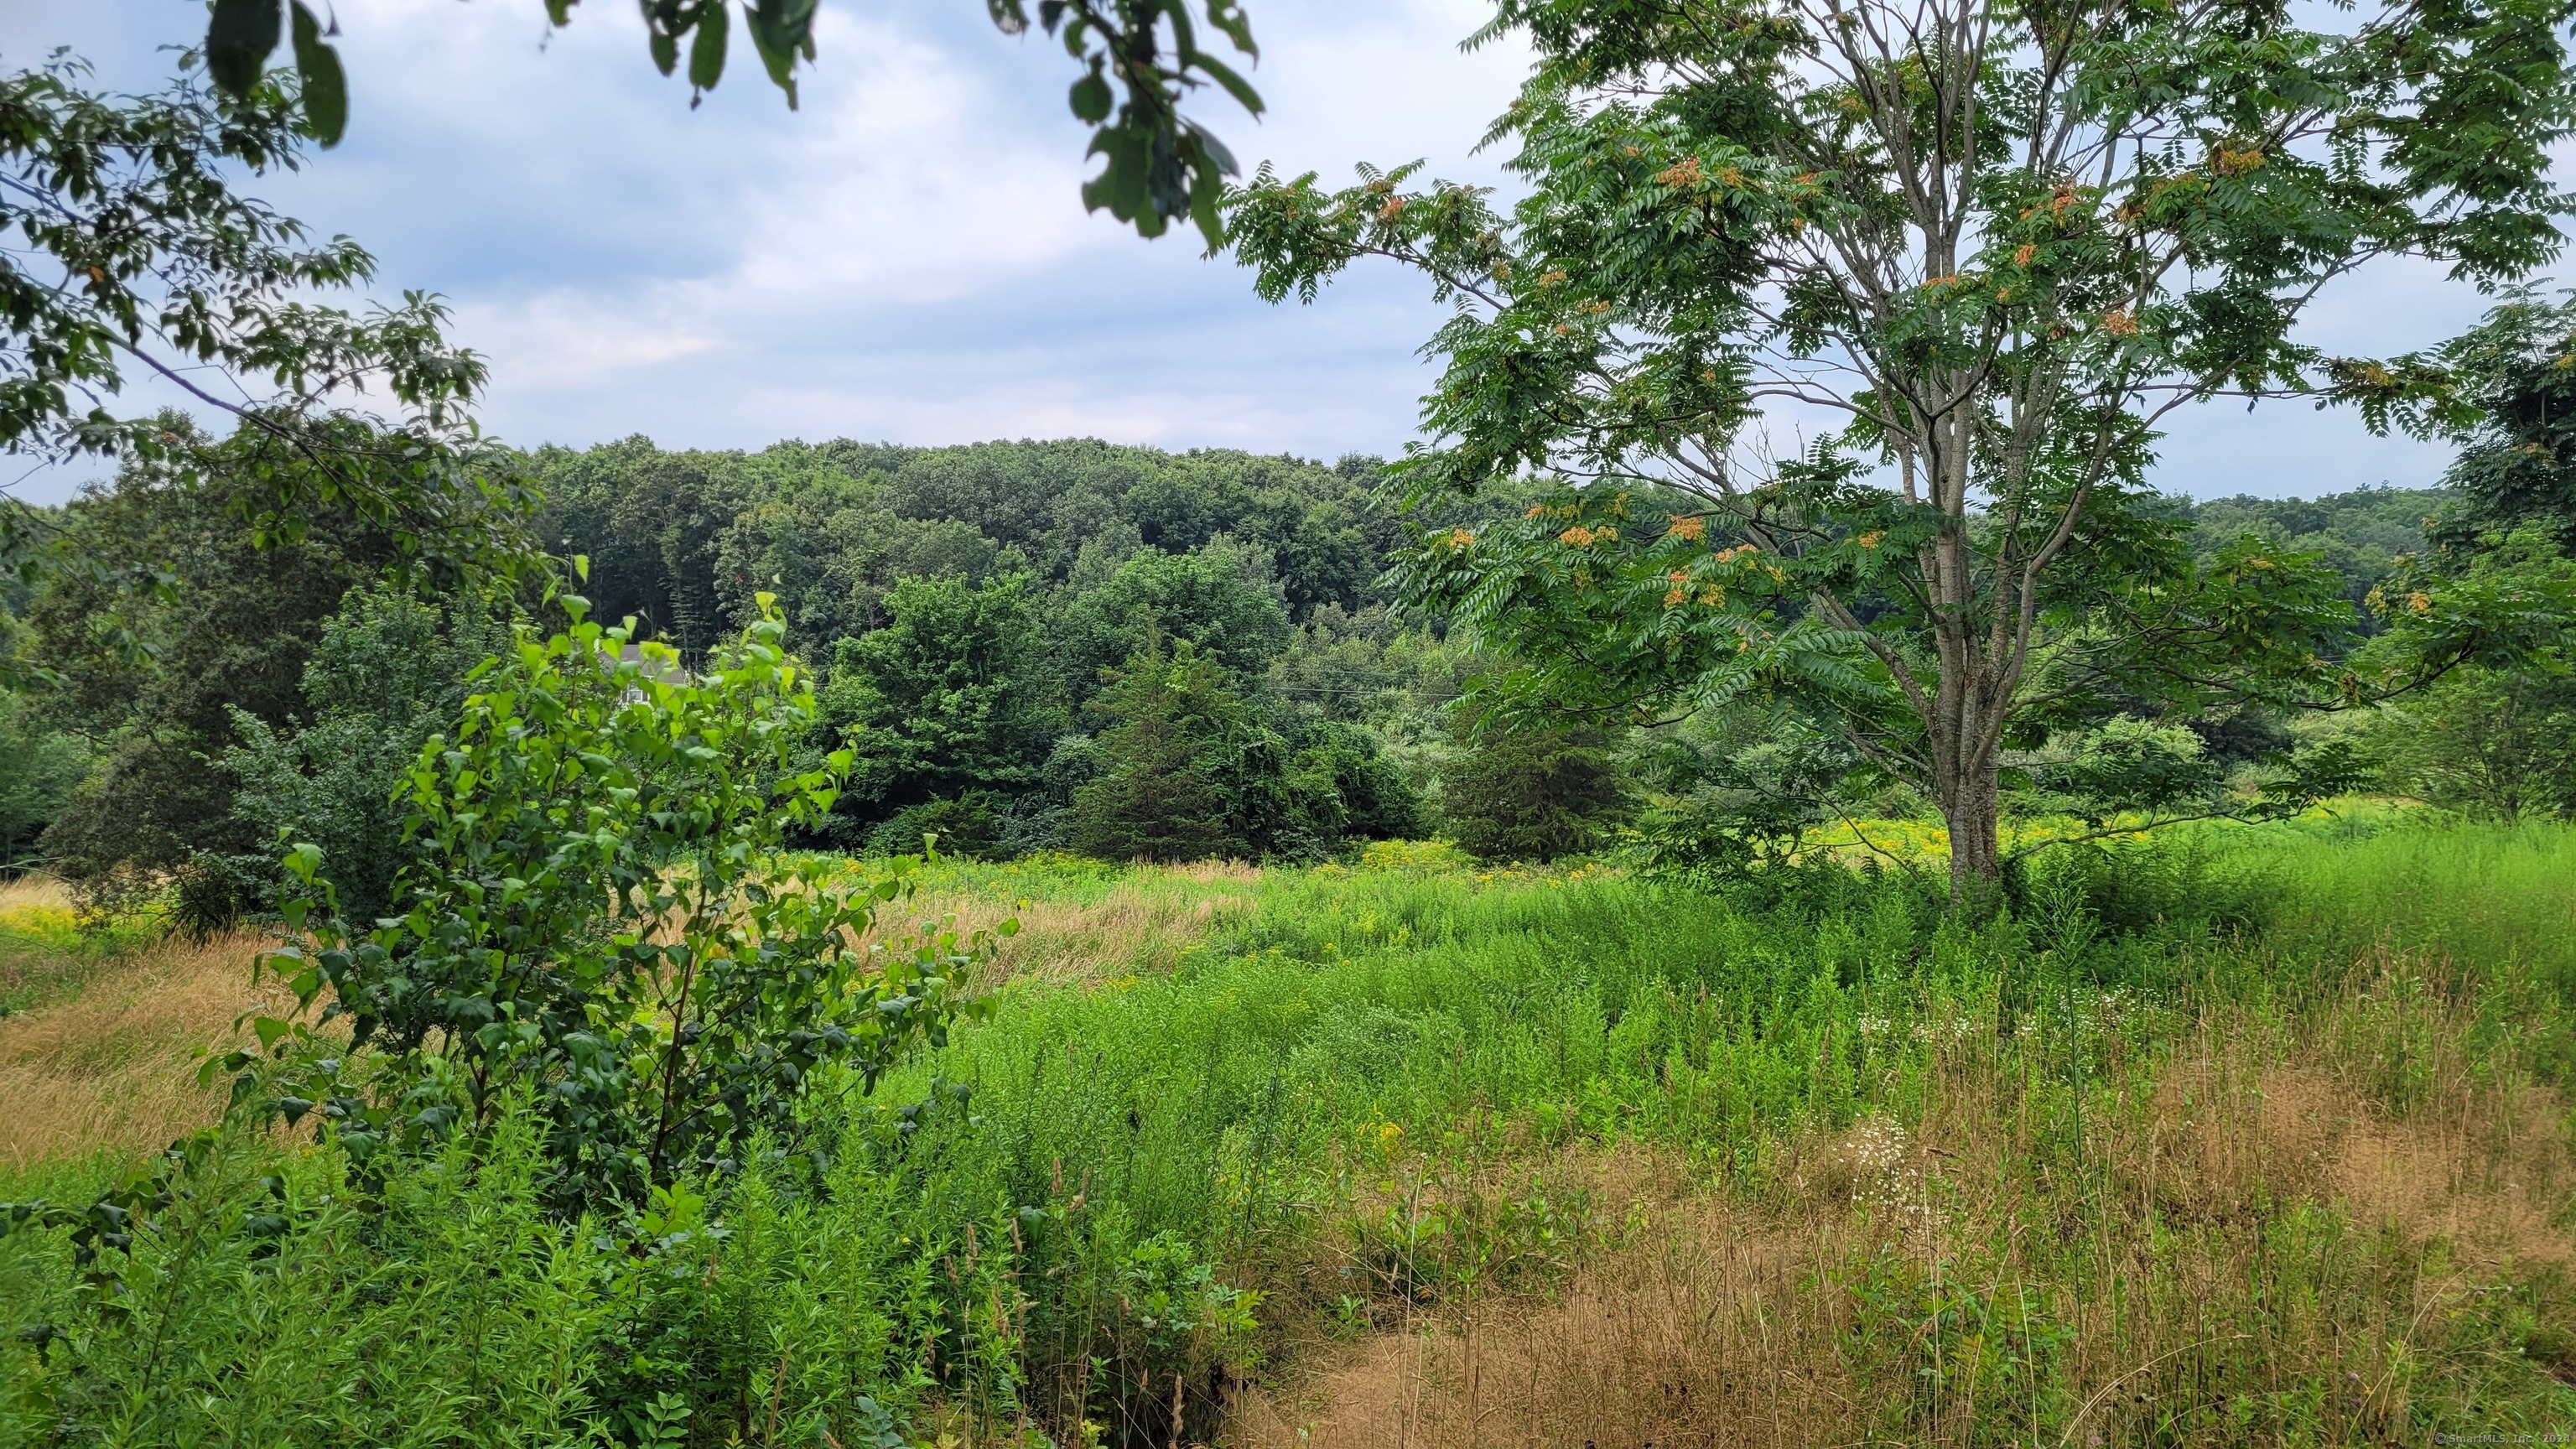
[{"x": 2230, "y": 1135}]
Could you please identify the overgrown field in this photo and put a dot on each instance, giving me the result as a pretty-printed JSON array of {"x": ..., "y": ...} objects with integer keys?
[{"x": 2245, "y": 1136}]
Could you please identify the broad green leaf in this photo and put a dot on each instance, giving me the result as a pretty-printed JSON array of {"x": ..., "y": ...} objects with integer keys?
[
  {"x": 240, "y": 36},
  {"x": 325, "y": 87},
  {"x": 707, "y": 52}
]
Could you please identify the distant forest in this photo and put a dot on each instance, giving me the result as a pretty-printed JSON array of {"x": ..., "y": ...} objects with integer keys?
[
  {"x": 1027, "y": 646},
  {"x": 685, "y": 539}
]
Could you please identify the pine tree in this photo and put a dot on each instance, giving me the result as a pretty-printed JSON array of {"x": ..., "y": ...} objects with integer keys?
[
  {"x": 1529, "y": 793},
  {"x": 1162, "y": 797}
]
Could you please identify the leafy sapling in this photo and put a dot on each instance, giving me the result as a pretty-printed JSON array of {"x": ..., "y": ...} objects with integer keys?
[{"x": 600, "y": 916}]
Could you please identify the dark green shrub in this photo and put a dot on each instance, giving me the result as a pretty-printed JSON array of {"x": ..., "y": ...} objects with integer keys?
[
  {"x": 39, "y": 770},
  {"x": 1530, "y": 793},
  {"x": 2491, "y": 742},
  {"x": 161, "y": 676},
  {"x": 971, "y": 825},
  {"x": 389, "y": 672},
  {"x": 1375, "y": 801}
]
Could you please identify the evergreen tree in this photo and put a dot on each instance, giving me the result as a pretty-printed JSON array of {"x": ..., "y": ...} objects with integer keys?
[
  {"x": 1529, "y": 793},
  {"x": 1162, "y": 795}
]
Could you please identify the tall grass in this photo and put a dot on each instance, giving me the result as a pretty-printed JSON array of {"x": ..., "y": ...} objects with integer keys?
[{"x": 2198, "y": 1136}]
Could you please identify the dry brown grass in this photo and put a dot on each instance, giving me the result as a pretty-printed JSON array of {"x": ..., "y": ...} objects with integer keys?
[
  {"x": 1140, "y": 927},
  {"x": 35, "y": 889},
  {"x": 2269, "y": 1216},
  {"x": 114, "y": 1068}
]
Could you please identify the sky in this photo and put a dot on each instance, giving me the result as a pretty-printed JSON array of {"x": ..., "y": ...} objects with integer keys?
[{"x": 905, "y": 258}]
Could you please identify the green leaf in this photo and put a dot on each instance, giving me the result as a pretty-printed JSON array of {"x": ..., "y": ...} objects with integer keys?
[
  {"x": 240, "y": 35},
  {"x": 1235, "y": 86},
  {"x": 707, "y": 53},
  {"x": 325, "y": 85},
  {"x": 1230, "y": 20},
  {"x": 1090, "y": 97}
]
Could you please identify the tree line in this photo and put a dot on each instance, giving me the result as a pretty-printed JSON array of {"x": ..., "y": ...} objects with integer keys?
[{"x": 1042, "y": 646}]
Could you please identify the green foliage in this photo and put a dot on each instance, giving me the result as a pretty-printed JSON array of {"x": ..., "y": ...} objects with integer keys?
[
  {"x": 1189, "y": 770},
  {"x": 1358, "y": 667},
  {"x": 1026, "y": 572},
  {"x": 39, "y": 770},
  {"x": 1086, "y": 1197},
  {"x": 2009, "y": 293},
  {"x": 654, "y": 526},
  {"x": 596, "y": 913},
  {"x": 971, "y": 824},
  {"x": 1374, "y": 799},
  {"x": 184, "y": 626},
  {"x": 2502, "y": 392},
  {"x": 1176, "y": 726},
  {"x": 388, "y": 672},
  {"x": 950, "y": 695},
  {"x": 1734, "y": 792},
  {"x": 174, "y": 270},
  {"x": 2125, "y": 764},
  {"x": 1162, "y": 166},
  {"x": 1529, "y": 792},
  {"x": 2508, "y": 601},
  {"x": 271, "y": 1301},
  {"x": 2497, "y": 742},
  {"x": 830, "y": 527},
  {"x": 2365, "y": 535},
  {"x": 1220, "y": 600}
]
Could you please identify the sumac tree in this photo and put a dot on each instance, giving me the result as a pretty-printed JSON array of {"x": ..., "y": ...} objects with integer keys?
[{"x": 1998, "y": 242}]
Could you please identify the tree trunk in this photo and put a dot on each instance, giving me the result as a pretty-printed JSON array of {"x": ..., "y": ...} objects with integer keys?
[{"x": 1968, "y": 805}]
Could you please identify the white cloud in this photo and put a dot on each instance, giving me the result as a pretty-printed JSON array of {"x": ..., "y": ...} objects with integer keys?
[{"x": 906, "y": 256}]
